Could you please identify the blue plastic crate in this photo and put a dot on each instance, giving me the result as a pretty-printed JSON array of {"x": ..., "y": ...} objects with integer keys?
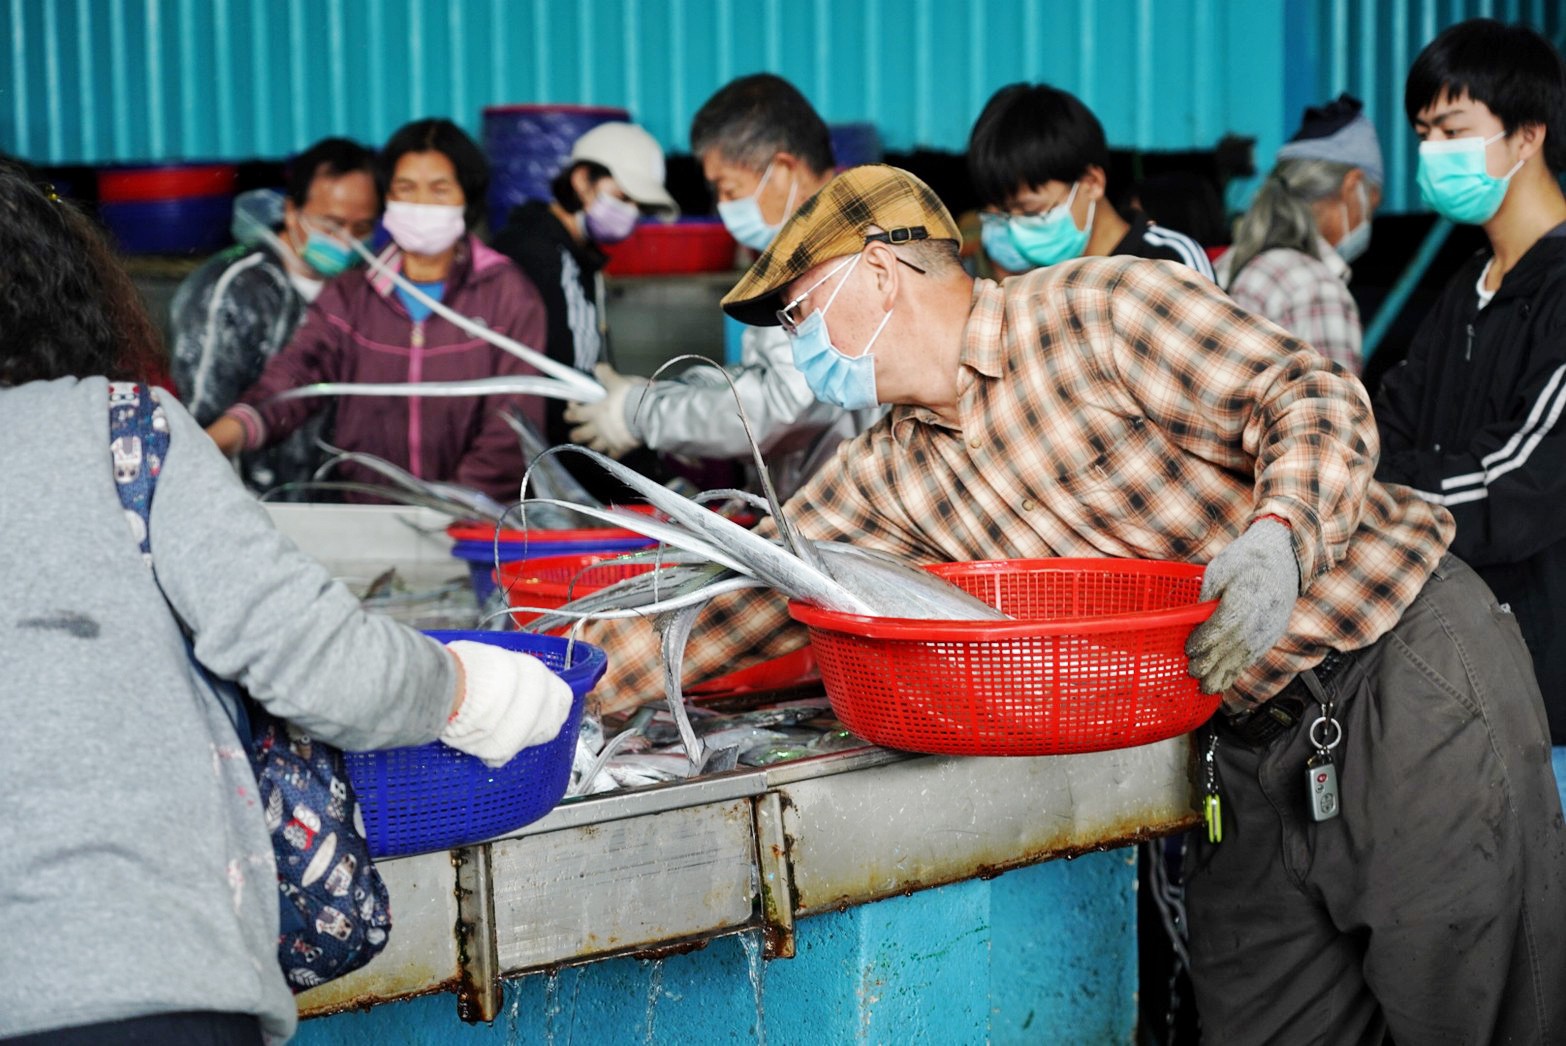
[{"x": 433, "y": 797}]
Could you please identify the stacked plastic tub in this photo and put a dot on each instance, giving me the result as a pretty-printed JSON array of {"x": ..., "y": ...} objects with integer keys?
[
  {"x": 483, "y": 550},
  {"x": 173, "y": 209}
]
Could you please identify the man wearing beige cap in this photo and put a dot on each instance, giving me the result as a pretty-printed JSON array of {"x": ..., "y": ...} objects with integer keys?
[{"x": 1126, "y": 408}]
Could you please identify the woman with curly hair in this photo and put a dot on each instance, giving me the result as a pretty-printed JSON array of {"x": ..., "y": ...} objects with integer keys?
[{"x": 135, "y": 863}]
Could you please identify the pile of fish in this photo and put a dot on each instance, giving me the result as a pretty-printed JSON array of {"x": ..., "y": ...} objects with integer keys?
[{"x": 727, "y": 557}]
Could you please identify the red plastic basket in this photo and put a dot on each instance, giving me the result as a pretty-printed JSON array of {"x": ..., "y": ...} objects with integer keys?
[
  {"x": 1094, "y": 660},
  {"x": 553, "y": 581}
]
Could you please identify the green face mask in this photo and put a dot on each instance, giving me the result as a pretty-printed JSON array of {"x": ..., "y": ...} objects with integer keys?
[
  {"x": 323, "y": 252},
  {"x": 1455, "y": 181},
  {"x": 1051, "y": 237}
]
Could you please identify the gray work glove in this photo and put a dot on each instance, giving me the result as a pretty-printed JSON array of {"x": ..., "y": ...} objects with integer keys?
[{"x": 1256, "y": 580}]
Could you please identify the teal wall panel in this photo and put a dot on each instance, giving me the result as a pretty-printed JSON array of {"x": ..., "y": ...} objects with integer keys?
[{"x": 100, "y": 81}]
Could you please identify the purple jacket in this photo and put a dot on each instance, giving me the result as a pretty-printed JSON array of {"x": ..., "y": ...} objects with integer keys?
[{"x": 358, "y": 330}]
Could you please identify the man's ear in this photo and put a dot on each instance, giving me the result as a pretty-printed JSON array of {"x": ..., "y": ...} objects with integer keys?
[
  {"x": 1094, "y": 182},
  {"x": 883, "y": 264},
  {"x": 290, "y": 220},
  {"x": 1530, "y": 138},
  {"x": 1354, "y": 178}
]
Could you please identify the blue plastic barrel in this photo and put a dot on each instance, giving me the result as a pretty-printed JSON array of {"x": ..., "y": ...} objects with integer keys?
[
  {"x": 194, "y": 225},
  {"x": 854, "y": 144},
  {"x": 527, "y": 145}
]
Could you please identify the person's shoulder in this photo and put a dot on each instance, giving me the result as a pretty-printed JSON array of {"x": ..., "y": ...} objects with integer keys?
[
  {"x": 1286, "y": 266},
  {"x": 1155, "y": 242},
  {"x": 240, "y": 269},
  {"x": 499, "y": 273}
]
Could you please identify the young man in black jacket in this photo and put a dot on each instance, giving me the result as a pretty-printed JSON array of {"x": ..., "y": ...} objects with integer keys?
[{"x": 1473, "y": 419}]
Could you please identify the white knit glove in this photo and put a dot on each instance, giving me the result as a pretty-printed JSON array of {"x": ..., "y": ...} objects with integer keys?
[
  {"x": 512, "y": 701},
  {"x": 605, "y": 426},
  {"x": 1256, "y": 580}
]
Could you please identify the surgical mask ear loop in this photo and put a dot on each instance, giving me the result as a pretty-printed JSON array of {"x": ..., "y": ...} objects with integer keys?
[
  {"x": 1497, "y": 136},
  {"x": 788, "y": 207},
  {"x": 840, "y": 283}
]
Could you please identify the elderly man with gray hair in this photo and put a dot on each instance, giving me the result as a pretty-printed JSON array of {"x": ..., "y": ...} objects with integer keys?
[
  {"x": 764, "y": 151},
  {"x": 1310, "y": 219}
]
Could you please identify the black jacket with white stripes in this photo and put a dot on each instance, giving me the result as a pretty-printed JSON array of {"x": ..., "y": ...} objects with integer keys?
[
  {"x": 1473, "y": 421},
  {"x": 1146, "y": 240}
]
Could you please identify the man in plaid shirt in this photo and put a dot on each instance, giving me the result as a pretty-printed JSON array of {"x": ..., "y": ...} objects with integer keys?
[{"x": 1118, "y": 407}]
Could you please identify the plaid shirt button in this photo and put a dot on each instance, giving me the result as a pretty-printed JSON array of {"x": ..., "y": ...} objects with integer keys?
[
  {"x": 1027, "y": 505},
  {"x": 975, "y": 443}
]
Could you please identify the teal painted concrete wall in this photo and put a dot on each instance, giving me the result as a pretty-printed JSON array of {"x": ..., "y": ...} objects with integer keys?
[{"x": 1041, "y": 954}]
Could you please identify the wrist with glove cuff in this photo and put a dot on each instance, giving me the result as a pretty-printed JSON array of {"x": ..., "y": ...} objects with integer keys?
[
  {"x": 1256, "y": 580},
  {"x": 511, "y": 701},
  {"x": 607, "y": 426}
]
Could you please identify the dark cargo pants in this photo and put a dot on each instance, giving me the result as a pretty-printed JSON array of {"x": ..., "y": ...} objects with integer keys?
[{"x": 1434, "y": 907}]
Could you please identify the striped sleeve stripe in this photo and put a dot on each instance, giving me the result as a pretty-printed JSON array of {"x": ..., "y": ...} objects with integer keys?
[
  {"x": 1183, "y": 245},
  {"x": 1516, "y": 451}
]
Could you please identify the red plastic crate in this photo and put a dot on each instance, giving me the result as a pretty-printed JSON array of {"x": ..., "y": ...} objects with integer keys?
[{"x": 672, "y": 247}]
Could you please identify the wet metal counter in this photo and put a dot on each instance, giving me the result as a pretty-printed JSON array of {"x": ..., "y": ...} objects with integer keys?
[{"x": 666, "y": 868}]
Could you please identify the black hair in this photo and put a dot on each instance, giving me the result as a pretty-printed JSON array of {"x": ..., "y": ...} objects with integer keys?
[
  {"x": 444, "y": 137},
  {"x": 1187, "y": 202},
  {"x": 330, "y": 158},
  {"x": 565, "y": 193},
  {"x": 753, "y": 118},
  {"x": 1029, "y": 134},
  {"x": 1513, "y": 70},
  {"x": 67, "y": 306}
]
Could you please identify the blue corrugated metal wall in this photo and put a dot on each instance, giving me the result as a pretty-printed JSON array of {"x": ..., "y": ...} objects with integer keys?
[
  {"x": 97, "y": 81},
  {"x": 1365, "y": 47}
]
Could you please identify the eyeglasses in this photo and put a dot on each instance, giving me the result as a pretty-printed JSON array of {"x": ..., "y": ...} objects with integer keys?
[{"x": 790, "y": 325}]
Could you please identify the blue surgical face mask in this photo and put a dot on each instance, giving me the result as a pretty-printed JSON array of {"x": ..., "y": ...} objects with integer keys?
[
  {"x": 1051, "y": 237},
  {"x": 743, "y": 218},
  {"x": 1454, "y": 179},
  {"x": 995, "y": 234},
  {"x": 834, "y": 377},
  {"x": 1355, "y": 241}
]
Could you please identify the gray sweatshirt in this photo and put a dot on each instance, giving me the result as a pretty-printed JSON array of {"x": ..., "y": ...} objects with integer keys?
[{"x": 136, "y": 874}]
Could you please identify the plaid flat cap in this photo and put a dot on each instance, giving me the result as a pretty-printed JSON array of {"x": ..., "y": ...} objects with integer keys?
[{"x": 834, "y": 223}]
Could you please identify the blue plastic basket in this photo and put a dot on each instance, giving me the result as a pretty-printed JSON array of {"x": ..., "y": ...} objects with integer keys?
[
  {"x": 480, "y": 555},
  {"x": 433, "y": 797}
]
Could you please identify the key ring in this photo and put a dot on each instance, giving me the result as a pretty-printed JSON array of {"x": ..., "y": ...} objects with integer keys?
[{"x": 1336, "y": 737}]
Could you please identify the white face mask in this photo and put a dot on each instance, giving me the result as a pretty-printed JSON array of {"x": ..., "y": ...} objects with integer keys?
[
  {"x": 1356, "y": 240},
  {"x": 424, "y": 228}
]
